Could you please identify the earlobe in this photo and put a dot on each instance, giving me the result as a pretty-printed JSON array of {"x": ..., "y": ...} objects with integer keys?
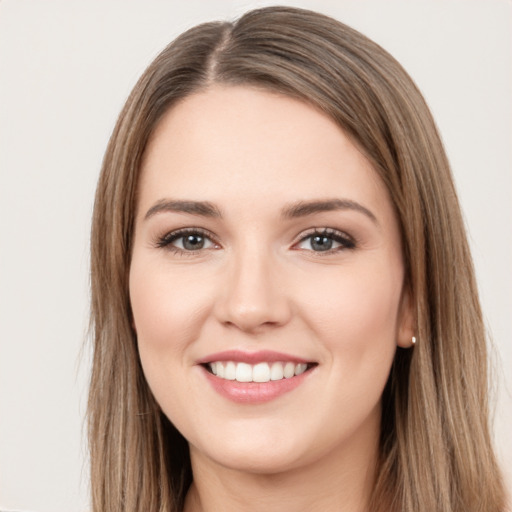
[{"x": 406, "y": 333}]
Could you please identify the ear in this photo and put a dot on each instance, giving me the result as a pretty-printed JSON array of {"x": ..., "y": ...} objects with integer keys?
[{"x": 406, "y": 321}]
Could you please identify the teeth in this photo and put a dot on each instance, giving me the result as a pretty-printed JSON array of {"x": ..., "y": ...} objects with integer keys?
[
  {"x": 243, "y": 372},
  {"x": 230, "y": 371},
  {"x": 261, "y": 372},
  {"x": 277, "y": 371},
  {"x": 301, "y": 368},
  {"x": 289, "y": 370}
]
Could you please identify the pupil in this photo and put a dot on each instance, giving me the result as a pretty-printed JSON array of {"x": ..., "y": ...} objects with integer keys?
[
  {"x": 321, "y": 243},
  {"x": 193, "y": 242}
]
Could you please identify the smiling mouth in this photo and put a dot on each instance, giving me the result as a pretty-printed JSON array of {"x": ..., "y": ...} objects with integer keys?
[{"x": 259, "y": 373}]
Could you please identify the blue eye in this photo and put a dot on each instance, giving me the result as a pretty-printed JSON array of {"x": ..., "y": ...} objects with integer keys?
[
  {"x": 327, "y": 240},
  {"x": 189, "y": 240}
]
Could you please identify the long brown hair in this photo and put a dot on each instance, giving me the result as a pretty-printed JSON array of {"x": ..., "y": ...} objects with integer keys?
[{"x": 435, "y": 448}]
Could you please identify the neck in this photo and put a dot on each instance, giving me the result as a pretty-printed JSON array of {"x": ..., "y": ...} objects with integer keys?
[{"x": 340, "y": 481}]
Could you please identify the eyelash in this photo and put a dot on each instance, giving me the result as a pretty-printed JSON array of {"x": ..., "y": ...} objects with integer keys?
[
  {"x": 346, "y": 242},
  {"x": 166, "y": 241}
]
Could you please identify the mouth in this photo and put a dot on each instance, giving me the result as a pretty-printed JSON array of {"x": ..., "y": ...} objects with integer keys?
[
  {"x": 255, "y": 377},
  {"x": 261, "y": 372}
]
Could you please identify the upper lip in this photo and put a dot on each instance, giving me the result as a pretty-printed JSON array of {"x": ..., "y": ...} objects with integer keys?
[{"x": 261, "y": 356}]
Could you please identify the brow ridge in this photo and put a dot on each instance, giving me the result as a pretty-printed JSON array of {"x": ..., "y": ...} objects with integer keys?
[
  {"x": 201, "y": 208},
  {"x": 304, "y": 208},
  {"x": 292, "y": 211}
]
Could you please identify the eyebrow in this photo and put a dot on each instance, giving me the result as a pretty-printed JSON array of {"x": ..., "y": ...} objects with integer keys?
[
  {"x": 304, "y": 208},
  {"x": 292, "y": 211},
  {"x": 202, "y": 208}
]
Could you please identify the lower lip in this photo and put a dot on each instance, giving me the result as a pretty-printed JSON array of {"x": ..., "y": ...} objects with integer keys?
[{"x": 254, "y": 392}]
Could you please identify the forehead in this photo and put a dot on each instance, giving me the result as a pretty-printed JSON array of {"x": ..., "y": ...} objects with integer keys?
[{"x": 234, "y": 141}]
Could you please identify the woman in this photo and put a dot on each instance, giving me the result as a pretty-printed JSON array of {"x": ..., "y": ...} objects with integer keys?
[{"x": 283, "y": 299}]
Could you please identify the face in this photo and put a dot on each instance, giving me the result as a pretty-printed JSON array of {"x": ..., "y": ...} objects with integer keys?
[{"x": 266, "y": 281}]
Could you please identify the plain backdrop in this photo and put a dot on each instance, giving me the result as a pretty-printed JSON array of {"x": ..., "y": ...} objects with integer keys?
[{"x": 66, "y": 68}]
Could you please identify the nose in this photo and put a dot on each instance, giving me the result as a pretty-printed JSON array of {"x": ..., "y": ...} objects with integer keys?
[{"x": 253, "y": 297}]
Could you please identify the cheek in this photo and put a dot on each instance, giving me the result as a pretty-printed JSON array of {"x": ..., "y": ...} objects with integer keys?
[
  {"x": 167, "y": 306},
  {"x": 356, "y": 324},
  {"x": 169, "y": 310},
  {"x": 356, "y": 313}
]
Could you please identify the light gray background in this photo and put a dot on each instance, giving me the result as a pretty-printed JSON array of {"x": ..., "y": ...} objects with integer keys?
[{"x": 66, "y": 68}]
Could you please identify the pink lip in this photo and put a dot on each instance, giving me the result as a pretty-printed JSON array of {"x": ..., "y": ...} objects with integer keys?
[
  {"x": 238, "y": 356},
  {"x": 254, "y": 392}
]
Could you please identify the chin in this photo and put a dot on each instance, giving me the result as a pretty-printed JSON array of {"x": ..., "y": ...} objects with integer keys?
[
  {"x": 257, "y": 461},
  {"x": 261, "y": 449}
]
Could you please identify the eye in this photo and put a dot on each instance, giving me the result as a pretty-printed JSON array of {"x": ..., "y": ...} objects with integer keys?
[
  {"x": 326, "y": 240},
  {"x": 186, "y": 240}
]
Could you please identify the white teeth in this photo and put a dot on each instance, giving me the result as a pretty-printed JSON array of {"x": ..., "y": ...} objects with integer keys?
[
  {"x": 261, "y": 372},
  {"x": 230, "y": 371},
  {"x": 300, "y": 368},
  {"x": 243, "y": 372},
  {"x": 289, "y": 370},
  {"x": 277, "y": 371}
]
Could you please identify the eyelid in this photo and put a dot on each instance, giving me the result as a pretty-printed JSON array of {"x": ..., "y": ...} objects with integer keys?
[
  {"x": 165, "y": 241},
  {"x": 347, "y": 241}
]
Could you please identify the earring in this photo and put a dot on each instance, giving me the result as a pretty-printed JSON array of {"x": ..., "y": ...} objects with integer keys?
[{"x": 413, "y": 340}]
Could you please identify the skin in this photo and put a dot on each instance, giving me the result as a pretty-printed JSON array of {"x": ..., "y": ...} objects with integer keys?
[{"x": 259, "y": 284}]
